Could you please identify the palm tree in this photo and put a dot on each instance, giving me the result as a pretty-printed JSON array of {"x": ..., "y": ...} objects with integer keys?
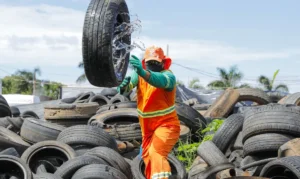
[
  {"x": 194, "y": 84},
  {"x": 81, "y": 78},
  {"x": 228, "y": 79},
  {"x": 36, "y": 70},
  {"x": 27, "y": 80},
  {"x": 268, "y": 83}
]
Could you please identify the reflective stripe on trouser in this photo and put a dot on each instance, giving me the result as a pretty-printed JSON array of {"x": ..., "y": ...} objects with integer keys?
[{"x": 159, "y": 137}]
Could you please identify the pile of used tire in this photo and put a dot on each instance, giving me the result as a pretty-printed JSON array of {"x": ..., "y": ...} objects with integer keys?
[
  {"x": 261, "y": 140},
  {"x": 88, "y": 136},
  {"x": 91, "y": 136}
]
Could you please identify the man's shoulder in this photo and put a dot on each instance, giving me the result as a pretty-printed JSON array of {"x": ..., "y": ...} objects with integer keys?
[{"x": 167, "y": 71}]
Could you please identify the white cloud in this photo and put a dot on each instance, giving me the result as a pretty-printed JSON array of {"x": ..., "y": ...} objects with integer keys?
[
  {"x": 40, "y": 35},
  {"x": 213, "y": 53},
  {"x": 50, "y": 35},
  {"x": 54, "y": 34}
]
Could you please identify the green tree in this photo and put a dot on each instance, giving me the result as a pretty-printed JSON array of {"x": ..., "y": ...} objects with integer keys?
[
  {"x": 28, "y": 83},
  {"x": 179, "y": 82},
  {"x": 52, "y": 89},
  {"x": 82, "y": 78},
  {"x": 194, "y": 84},
  {"x": 268, "y": 83},
  {"x": 227, "y": 79}
]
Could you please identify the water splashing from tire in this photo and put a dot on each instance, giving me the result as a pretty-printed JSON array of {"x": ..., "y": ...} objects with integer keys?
[{"x": 120, "y": 48}]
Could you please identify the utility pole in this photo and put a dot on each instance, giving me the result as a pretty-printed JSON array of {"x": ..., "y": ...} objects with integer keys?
[
  {"x": 0, "y": 86},
  {"x": 167, "y": 53},
  {"x": 33, "y": 84}
]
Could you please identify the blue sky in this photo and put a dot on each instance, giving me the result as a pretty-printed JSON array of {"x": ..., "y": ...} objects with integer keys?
[{"x": 257, "y": 36}]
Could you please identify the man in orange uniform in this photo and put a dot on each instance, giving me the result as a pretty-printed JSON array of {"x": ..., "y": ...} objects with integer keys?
[{"x": 156, "y": 109}]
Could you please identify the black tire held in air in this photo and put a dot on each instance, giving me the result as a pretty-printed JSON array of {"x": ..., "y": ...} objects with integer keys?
[{"x": 98, "y": 32}]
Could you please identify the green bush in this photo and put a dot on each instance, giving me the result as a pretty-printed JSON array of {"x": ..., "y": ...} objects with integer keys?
[{"x": 186, "y": 151}]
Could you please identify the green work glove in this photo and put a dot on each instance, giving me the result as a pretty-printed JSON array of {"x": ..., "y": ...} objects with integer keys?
[
  {"x": 137, "y": 66},
  {"x": 121, "y": 88}
]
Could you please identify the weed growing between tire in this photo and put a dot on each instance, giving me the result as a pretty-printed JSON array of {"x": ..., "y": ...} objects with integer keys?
[{"x": 186, "y": 151}]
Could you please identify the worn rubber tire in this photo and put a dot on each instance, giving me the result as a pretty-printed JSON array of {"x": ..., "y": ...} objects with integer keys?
[
  {"x": 15, "y": 111},
  {"x": 192, "y": 118},
  {"x": 70, "y": 111},
  {"x": 228, "y": 131},
  {"x": 4, "y": 108},
  {"x": 291, "y": 99},
  {"x": 98, "y": 171},
  {"x": 84, "y": 98},
  {"x": 8, "y": 161},
  {"x": 87, "y": 135},
  {"x": 137, "y": 167},
  {"x": 4, "y": 122},
  {"x": 113, "y": 158},
  {"x": 99, "y": 27},
  {"x": 238, "y": 144},
  {"x": 255, "y": 95},
  {"x": 29, "y": 114},
  {"x": 12, "y": 136},
  {"x": 207, "y": 173},
  {"x": 126, "y": 104},
  {"x": 100, "y": 99},
  {"x": 10, "y": 151},
  {"x": 68, "y": 100},
  {"x": 272, "y": 119},
  {"x": 116, "y": 116},
  {"x": 30, "y": 156},
  {"x": 16, "y": 122},
  {"x": 269, "y": 142},
  {"x": 278, "y": 166},
  {"x": 122, "y": 123},
  {"x": 46, "y": 176},
  {"x": 109, "y": 92},
  {"x": 70, "y": 167},
  {"x": 6, "y": 143},
  {"x": 211, "y": 154},
  {"x": 34, "y": 131},
  {"x": 118, "y": 99}
]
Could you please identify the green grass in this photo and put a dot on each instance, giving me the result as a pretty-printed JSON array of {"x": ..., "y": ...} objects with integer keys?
[{"x": 186, "y": 151}]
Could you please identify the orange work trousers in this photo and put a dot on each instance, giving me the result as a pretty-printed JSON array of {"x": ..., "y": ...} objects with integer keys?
[{"x": 160, "y": 134}]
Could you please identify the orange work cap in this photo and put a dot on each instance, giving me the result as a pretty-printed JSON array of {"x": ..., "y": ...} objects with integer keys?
[{"x": 156, "y": 53}]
